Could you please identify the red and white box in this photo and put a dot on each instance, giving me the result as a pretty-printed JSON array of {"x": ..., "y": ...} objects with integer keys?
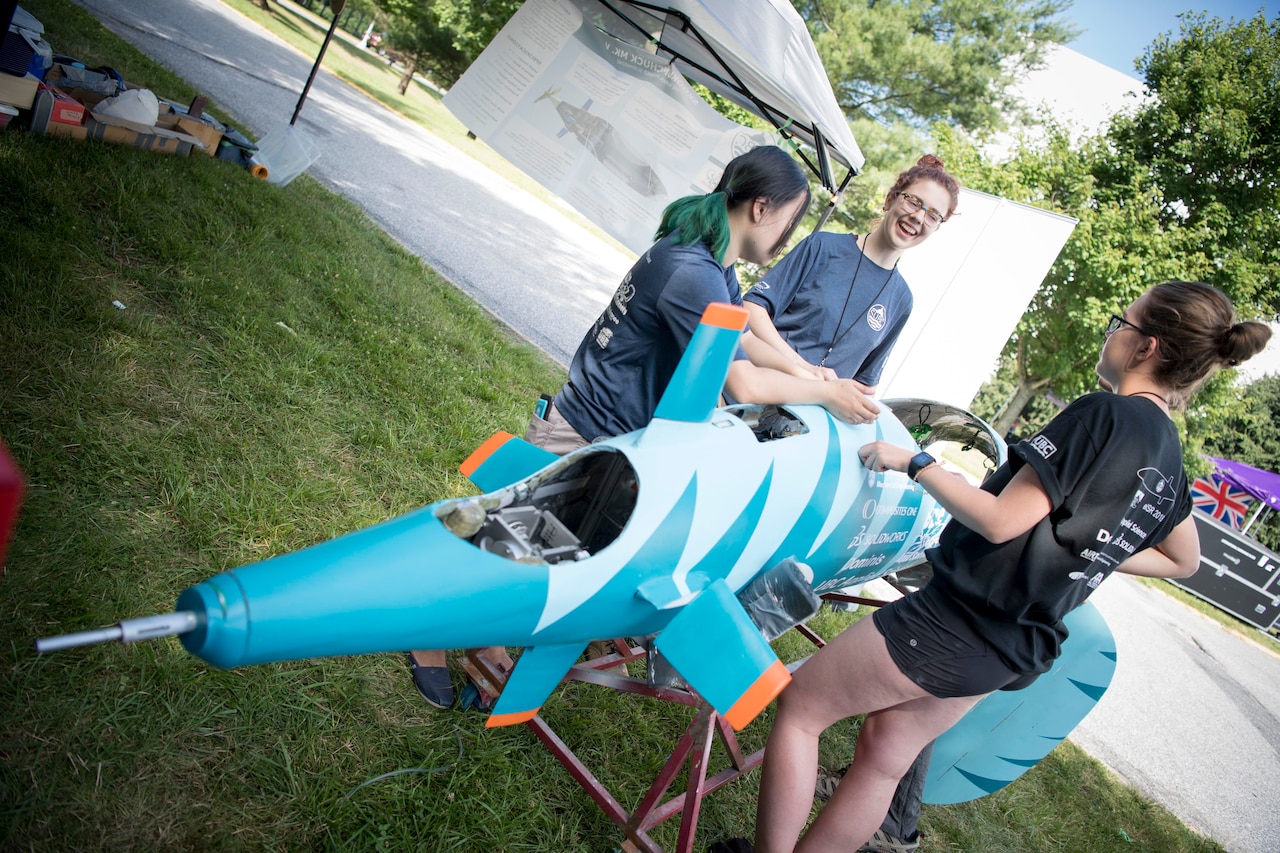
[{"x": 55, "y": 107}]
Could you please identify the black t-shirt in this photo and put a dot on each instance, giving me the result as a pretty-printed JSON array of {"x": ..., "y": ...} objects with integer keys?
[{"x": 1112, "y": 468}]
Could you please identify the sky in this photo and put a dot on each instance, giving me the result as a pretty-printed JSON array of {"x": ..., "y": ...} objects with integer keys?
[{"x": 1117, "y": 32}]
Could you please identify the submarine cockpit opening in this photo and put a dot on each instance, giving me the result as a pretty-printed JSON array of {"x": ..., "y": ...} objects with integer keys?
[{"x": 568, "y": 511}]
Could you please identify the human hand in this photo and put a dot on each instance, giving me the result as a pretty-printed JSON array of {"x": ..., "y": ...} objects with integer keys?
[
  {"x": 883, "y": 456},
  {"x": 815, "y": 371},
  {"x": 846, "y": 401}
]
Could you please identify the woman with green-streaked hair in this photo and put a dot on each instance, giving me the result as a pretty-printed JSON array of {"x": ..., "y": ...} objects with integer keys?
[{"x": 628, "y": 356}]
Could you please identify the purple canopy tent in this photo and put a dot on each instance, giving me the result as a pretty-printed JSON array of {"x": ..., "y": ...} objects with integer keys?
[{"x": 1263, "y": 485}]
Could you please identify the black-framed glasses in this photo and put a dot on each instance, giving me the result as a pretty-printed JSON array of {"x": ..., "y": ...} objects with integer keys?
[
  {"x": 1117, "y": 321},
  {"x": 932, "y": 217}
]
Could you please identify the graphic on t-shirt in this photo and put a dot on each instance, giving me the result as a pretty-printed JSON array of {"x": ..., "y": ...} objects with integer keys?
[
  {"x": 1157, "y": 483},
  {"x": 877, "y": 315},
  {"x": 1042, "y": 445},
  {"x": 624, "y": 294}
]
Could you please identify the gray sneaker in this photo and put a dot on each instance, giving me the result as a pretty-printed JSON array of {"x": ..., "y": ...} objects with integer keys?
[
  {"x": 883, "y": 842},
  {"x": 827, "y": 781}
]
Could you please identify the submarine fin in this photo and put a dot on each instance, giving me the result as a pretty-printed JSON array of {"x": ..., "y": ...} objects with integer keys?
[
  {"x": 502, "y": 460},
  {"x": 716, "y": 647},
  {"x": 694, "y": 390},
  {"x": 537, "y": 673}
]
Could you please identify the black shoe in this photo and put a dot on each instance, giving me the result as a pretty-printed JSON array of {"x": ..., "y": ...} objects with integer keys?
[
  {"x": 433, "y": 682},
  {"x": 732, "y": 845}
]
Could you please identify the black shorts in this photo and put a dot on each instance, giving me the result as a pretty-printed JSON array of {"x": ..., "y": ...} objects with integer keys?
[{"x": 937, "y": 648}]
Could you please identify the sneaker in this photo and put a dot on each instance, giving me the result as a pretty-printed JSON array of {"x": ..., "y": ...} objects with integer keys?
[
  {"x": 883, "y": 842},
  {"x": 433, "y": 682},
  {"x": 731, "y": 845},
  {"x": 827, "y": 781}
]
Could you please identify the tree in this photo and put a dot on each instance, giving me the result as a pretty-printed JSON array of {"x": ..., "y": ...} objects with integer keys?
[
  {"x": 1209, "y": 143},
  {"x": 921, "y": 61},
  {"x": 1155, "y": 202},
  {"x": 442, "y": 37},
  {"x": 899, "y": 66}
]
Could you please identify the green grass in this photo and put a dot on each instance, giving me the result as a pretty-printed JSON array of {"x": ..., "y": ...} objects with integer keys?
[{"x": 283, "y": 372}]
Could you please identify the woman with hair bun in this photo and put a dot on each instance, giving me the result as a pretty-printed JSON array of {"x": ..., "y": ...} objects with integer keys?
[
  {"x": 1100, "y": 489},
  {"x": 835, "y": 305}
]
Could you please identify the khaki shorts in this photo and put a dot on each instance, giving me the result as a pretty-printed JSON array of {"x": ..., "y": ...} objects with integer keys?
[{"x": 554, "y": 433}]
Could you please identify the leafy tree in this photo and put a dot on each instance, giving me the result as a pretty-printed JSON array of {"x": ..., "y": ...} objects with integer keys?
[
  {"x": 1250, "y": 433},
  {"x": 416, "y": 37},
  {"x": 920, "y": 61},
  {"x": 442, "y": 37},
  {"x": 1151, "y": 208},
  {"x": 1209, "y": 143},
  {"x": 474, "y": 23}
]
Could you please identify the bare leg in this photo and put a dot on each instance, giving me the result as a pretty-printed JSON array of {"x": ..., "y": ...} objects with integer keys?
[
  {"x": 433, "y": 657},
  {"x": 853, "y": 674},
  {"x": 497, "y": 655}
]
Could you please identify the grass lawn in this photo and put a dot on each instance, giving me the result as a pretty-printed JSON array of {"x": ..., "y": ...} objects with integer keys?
[{"x": 277, "y": 371}]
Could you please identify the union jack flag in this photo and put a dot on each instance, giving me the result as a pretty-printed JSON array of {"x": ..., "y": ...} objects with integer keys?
[{"x": 1220, "y": 499}]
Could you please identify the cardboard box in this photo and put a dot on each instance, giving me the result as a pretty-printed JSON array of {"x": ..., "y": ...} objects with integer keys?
[
  {"x": 18, "y": 92},
  {"x": 53, "y": 106},
  {"x": 207, "y": 135},
  {"x": 166, "y": 136}
]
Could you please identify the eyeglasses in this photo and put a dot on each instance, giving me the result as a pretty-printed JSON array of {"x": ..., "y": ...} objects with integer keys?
[
  {"x": 1117, "y": 322},
  {"x": 932, "y": 218}
]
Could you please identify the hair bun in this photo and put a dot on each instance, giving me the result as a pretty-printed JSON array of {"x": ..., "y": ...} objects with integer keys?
[{"x": 930, "y": 161}]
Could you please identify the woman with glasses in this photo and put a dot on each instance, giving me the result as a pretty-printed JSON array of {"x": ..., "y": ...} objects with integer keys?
[
  {"x": 835, "y": 305},
  {"x": 1100, "y": 489}
]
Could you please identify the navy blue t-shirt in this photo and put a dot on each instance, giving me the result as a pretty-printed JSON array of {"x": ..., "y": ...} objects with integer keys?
[
  {"x": 627, "y": 358},
  {"x": 814, "y": 303}
]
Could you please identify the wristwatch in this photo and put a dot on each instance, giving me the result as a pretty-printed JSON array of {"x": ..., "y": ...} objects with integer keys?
[{"x": 918, "y": 463}]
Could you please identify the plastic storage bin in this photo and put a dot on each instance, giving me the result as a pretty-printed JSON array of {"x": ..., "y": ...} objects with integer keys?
[{"x": 286, "y": 153}]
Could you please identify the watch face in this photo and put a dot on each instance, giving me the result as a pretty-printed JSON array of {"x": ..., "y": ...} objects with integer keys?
[{"x": 919, "y": 461}]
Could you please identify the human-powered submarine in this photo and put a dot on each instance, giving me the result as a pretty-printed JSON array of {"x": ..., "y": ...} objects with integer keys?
[{"x": 650, "y": 533}]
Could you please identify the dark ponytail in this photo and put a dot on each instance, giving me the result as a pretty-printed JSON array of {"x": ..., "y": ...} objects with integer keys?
[
  {"x": 766, "y": 172},
  {"x": 1199, "y": 334}
]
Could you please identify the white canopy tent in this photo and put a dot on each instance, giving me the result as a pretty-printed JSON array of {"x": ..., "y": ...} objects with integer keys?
[
  {"x": 591, "y": 99},
  {"x": 758, "y": 55}
]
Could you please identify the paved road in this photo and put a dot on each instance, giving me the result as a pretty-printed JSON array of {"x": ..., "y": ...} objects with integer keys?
[{"x": 1191, "y": 717}]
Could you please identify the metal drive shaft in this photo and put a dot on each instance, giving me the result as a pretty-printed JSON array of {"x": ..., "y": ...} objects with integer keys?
[{"x": 127, "y": 631}]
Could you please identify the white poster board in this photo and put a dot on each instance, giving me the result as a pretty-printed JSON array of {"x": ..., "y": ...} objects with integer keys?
[
  {"x": 972, "y": 282},
  {"x": 609, "y": 127}
]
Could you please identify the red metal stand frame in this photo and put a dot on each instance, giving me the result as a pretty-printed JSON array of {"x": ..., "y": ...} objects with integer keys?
[{"x": 693, "y": 750}]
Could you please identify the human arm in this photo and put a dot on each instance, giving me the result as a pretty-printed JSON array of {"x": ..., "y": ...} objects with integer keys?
[
  {"x": 770, "y": 350},
  {"x": 1176, "y": 556},
  {"x": 997, "y": 518},
  {"x": 749, "y": 383}
]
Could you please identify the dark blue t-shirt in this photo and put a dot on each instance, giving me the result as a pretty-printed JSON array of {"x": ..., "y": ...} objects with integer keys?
[
  {"x": 627, "y": 358},
  {"x": 815, "y": 303}
]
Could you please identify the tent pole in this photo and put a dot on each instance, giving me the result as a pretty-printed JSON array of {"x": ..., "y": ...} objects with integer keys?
[
  {"x": 1262, "y": 508},
  {"x": 335, "y": 6},
  {"x": 831, "y": 205}
]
